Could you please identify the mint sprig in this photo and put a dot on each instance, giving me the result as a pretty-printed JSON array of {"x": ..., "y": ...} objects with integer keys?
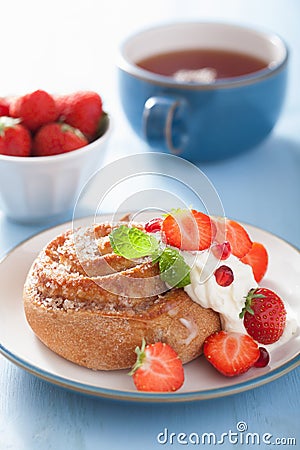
[
  {"x": 132, "y": 243},
  {"x": 173, "y": 269}
]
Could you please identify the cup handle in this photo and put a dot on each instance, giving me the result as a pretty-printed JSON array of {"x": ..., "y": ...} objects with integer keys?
[{"x": 164, "y": 123}]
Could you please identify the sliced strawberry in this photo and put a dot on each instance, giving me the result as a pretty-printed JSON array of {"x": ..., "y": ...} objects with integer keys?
[
  {"x": 257, "y": 258},
  {"x": 157, "y": 369},
  {"x": 235, "y": 234},
  {"x": 188, "y": 230},
  {"x": 231, "y": 353}
]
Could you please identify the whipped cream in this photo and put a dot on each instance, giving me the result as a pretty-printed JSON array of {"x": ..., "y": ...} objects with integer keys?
[{"x": 228, "y": 301}]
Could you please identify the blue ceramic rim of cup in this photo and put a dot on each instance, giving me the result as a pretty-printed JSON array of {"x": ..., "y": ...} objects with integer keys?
[{"x": 133, "y": 69}]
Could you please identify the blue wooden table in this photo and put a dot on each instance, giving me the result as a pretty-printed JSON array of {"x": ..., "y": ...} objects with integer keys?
[{"x": 68, "y": 46}]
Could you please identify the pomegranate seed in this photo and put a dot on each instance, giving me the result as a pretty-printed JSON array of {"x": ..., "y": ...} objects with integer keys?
[
  {"x": 263, "y": 359},
  {"x": 221, "y": 251},
  {"x": 153, "y": 225},
  {"x": 224, "y": 276}
]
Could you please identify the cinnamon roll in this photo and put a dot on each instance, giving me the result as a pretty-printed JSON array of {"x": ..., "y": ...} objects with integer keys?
[{"x": 94, "y": 307}]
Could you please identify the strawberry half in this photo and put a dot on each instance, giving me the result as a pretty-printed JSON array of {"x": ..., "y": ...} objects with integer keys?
[
  {"x": 231, "y": 353},
  {"x": 264, "y": 315},
  {"x": 188, "y": 230},
  {"x": 158, "y": 368},
  {"x": 257, "y": 258},
  {"x": 235, "y": 234}
]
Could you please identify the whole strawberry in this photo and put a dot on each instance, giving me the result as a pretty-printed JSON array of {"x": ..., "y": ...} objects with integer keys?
[
  {"x": 231, "y": 353},
  {"x": 34, "y": 109},
  {"x": 157, "y": 369},
  {"x": 264, "y": 315},
  {"x": 56, "y": 138},
  {"x": 15, "y": 139},
  {"x": 82, "y": 110}
]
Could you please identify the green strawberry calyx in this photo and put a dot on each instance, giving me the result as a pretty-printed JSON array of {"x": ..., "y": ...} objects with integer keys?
[
  {"x": 7, "y": 122},
  {"x": 248, "y": 303},
  {"x": 141, "y": 355},
  {"x": 133, "y": 243},
  {"x": 66, "y": 128}
]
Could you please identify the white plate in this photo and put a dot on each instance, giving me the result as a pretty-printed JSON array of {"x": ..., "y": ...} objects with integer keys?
[{"x": 202, "y": 381}]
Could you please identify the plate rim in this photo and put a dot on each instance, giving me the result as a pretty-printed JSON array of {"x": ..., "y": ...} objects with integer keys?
[
  {"x": 138, "y": 396},
  {"x": 142, "y": 397}
]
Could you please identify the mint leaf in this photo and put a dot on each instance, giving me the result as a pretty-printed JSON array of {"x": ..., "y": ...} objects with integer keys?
[
  {"x": 132, "y": 243},
  {"x": 173, "y": 269}
]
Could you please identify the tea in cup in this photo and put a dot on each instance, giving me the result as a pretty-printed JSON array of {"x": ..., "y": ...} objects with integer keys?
[{"x": 203, "y": 90}]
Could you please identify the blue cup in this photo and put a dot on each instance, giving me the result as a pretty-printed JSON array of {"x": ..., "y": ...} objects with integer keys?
[{"x": 207, "y": 119}]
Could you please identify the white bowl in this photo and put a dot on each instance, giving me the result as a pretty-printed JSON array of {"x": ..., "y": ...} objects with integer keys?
[{"x": 33, "y": 189}]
